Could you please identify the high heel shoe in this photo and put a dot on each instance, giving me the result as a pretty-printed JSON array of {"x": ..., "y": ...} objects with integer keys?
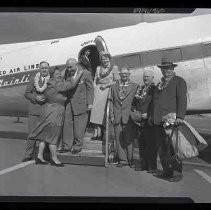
[
  {"x": 95, "y": 138},
  {"x": 38, "y": 161},
  {"x": 52, "y": 163}
]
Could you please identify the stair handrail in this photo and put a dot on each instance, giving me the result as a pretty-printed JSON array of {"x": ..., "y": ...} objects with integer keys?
[{"x": 107, "y": 129}]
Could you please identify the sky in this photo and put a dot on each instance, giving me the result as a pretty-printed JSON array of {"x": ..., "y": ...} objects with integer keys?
[{"x": 25, "y": 27}]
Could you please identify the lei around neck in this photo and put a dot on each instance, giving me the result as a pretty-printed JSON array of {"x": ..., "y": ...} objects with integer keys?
[
  {"x": 36, "y": 83},
  {"x": 143, "y": 90},
  {"x": 164, "y": 82}
]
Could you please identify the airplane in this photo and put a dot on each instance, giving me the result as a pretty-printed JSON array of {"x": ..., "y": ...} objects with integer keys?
[{"x": 185, "y": 41}]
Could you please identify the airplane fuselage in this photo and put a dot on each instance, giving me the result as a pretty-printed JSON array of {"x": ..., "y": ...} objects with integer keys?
[{"x": 140, "y": 47}]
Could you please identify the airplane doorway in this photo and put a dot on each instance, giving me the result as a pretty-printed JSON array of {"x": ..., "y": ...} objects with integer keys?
[{"x": 93, "y": 57}]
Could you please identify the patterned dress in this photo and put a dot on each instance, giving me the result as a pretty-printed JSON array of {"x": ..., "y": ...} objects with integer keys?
[
  {"x": 103, "y": 76},
  {"x": 50, "y": 123}
]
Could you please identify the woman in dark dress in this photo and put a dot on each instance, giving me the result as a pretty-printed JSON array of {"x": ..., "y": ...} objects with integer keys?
[
  {"x": 142, "y": 106},
  {"x": 49, "y": 127}
]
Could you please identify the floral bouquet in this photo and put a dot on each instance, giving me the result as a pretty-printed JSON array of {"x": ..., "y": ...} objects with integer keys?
[{"x": 169, "y": 120}]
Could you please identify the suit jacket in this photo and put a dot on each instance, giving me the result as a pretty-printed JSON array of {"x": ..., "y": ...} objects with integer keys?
[
  {"x": 172, "y": 99},
  {"x": 30, "y": 94},
  {"x": 142, "y": 105},
  {"x": 83, "y": 93},
  {"x": 122, "y": 108}
]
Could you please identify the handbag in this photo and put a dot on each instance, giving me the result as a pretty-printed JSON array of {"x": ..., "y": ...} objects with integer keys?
[
  {"x": 173, "y": 159},
  {"x": 186, "y": 141},
  {"x": 136, "y": 117}
]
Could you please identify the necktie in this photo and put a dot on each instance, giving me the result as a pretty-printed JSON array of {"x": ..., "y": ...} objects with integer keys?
[{"x": 43, "y": 81}]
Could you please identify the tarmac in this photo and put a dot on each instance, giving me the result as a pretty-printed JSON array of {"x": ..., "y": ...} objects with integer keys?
[{"x": 94, "y": 182}]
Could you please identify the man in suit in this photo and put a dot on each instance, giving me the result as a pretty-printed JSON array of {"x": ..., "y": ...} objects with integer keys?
[
  {"x": 79, "y": 104},
  {"x": 169, "y": 97},
  {"x": 34, "y": 93},
  {"x": 84, "y": 60},
  {"x": 122, "y": 94},
  {"x": 141, "y": 108}
]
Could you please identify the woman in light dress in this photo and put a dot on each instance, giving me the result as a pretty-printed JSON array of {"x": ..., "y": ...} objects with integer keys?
[{"x": 105, "y": 76}]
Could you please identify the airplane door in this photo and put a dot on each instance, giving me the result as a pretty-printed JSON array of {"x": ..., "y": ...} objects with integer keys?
[{"x": 100, "y": 44}]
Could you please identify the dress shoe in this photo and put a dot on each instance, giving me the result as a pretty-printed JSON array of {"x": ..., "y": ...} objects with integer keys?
[
  {"x": 121, "y": 164},
  {"x": 164, "y": 175},
  {"x": 63, "y": 150},
  {"x": 176, "y": 178},
  {"x": 95, "y": 138},
  {"x": 52, "y": 163},
  {"x": 75, "y": 151},
  {"x": 27, "y": 159},
  {"x": 131, "y": 163},
  {"x": 139, "y": 169},
  {"x": 151, "y": 171},
  {"x": 40, "y": 162}
]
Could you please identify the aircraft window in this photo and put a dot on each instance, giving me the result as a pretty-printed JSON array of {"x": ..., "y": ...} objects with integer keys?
[
  {"x": 151, "y": 58},
  {"x": 173, "y": 55},
  {"x": 208, "y": 49},
  {"x": 117, "y": 61},
  {"x": 192, "y": 52},
  {"x": 131, "y": 61}
]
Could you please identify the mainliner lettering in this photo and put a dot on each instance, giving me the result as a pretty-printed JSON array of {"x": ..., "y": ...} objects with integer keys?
[{"x": 15, "y": 79}]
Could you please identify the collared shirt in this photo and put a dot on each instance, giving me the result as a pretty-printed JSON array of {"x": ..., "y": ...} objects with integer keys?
[
  {"x": 42, "y": 79},
  {"x": 76, "y": 72}
]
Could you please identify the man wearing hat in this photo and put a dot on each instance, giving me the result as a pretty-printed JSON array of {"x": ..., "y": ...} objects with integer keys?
[{"x": 169, "y": 97}]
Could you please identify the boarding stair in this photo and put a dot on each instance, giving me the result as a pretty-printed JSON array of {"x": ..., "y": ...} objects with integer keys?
[{"x": 92, "y": 151}]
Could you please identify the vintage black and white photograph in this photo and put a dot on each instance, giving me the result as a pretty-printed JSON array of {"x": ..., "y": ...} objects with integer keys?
[{"x": 106, "y": 104}]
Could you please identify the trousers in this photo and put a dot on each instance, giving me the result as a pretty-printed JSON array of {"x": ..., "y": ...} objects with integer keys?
[
  {"x": 124, "y": 135},
  {"x": 164, "y": 150},
  {"x": 31, "y": 144},
  {"x": 74, "y": 129},
  {"x": 148, "y": 147}
]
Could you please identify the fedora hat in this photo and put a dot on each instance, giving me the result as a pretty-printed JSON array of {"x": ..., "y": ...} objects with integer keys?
[{"x": 165, "y": 62}]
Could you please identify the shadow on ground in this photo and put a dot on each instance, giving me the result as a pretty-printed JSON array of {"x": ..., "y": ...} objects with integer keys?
[{"x": 205, "y": 155}]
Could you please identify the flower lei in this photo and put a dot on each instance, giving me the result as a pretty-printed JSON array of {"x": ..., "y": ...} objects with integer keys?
[
  {"x": 36, "y": 83},
  {"x": 142, "y": 91},
  {"x": 122, "y": 88},
  {"x": 164, "y": 82}
]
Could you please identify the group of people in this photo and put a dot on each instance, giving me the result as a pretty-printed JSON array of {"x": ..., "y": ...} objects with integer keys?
[
  {"x": 63, "y": 101},
  {"x": 140, "y": 112},
  {"x": 48, "y": 93}
]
